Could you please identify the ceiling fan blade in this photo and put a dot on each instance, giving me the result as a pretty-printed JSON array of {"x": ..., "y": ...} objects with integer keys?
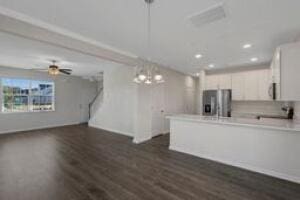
[
  {"x": 65, "y": 72},
  {"x": 41, "y": 69},
  {"x": 66, "y": 69}
]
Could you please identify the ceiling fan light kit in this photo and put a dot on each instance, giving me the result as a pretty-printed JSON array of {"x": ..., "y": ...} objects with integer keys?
[
  {"x": 147, "y": 73},
  {"x": 54, "y": 70}
]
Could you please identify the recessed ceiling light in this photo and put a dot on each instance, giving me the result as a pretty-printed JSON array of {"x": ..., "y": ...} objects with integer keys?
[
  {"x": 197, "y": 74},
  {"x": 254, "y": 59},
  {"x": 211, "y": 65},
  {"x": 247, "y": 46},
  {"x": 198, "y": 56}
]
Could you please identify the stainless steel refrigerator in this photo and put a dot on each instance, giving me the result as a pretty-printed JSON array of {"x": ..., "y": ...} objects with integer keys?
[{"x": 217, "y": 103}]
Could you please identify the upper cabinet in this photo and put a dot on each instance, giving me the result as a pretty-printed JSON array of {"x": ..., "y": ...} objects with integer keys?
[
  {"x": 264, "y": 84},
  {"x": 281, "y": 82},
  {"x": 275, "y": 72},
  {"x": 286, "y": 71},
  {"x": 211, "y": 82},
  {"x": 238, "y": 86},
  {"x": 218, "y": 81},
  {"x": 252, "y": 85},
  {"x": 224, "y": 81}
]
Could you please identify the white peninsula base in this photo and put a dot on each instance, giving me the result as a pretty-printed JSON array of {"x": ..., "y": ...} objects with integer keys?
[{"x": 259, "y": 147}]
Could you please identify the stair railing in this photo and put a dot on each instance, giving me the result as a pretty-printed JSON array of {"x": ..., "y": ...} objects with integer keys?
[{"x": 93, "y": 101}]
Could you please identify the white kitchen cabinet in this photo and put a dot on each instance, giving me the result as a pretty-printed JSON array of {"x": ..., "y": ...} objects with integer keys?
[
  {"x": 264, "y": 83},
  {"x": 211, "y": 82},
  {"x": 224, "y": 81},
  {"x": 251, "y": 86},
  {"x": 289, "y": 70},
  {"x": 275, "y": 73},
  {"x": 238, "y": 86},
  {"x": 218, "y": 81}
]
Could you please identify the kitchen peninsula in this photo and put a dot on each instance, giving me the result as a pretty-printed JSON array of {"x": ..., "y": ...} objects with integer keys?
[{"x": 265, "y": 146}]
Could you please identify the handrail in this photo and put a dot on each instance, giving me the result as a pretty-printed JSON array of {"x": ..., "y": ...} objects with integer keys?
[{"x": 93, "y": 101}]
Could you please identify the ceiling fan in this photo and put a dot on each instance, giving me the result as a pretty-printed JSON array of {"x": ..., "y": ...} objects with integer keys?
[{"x": 54, "y": 69}]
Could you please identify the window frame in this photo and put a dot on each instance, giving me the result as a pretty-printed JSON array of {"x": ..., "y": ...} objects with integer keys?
[{"x": 29, "y": 110}]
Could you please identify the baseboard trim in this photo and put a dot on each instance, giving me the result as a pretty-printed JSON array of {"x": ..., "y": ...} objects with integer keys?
[
  {"x": 140, "y": 141},
  {"x": 36, "y": 128},
  {"x": 111, "y": 130},
  {"x": 239, "y": 165}
]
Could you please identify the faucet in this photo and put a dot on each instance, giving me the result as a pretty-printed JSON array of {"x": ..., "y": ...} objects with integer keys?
[{"x": 289, "y": 111}]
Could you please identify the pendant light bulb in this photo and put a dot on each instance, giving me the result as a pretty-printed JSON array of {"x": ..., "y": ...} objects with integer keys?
[
  {"x": 142, "y": 77},
  {"x": 136, "y": 80},
  {"x": 158, "y": 77},
  {"x": 148, "y": 82}
]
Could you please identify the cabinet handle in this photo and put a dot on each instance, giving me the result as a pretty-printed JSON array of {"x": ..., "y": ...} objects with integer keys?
[{"x": 270, "y": 91}]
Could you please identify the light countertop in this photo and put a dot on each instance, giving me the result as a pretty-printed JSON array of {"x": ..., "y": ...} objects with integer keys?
[{"x": 276, "y": 124}]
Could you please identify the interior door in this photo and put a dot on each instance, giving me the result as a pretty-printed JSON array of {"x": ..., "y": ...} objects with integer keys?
[{"x": 158, "y": 112}]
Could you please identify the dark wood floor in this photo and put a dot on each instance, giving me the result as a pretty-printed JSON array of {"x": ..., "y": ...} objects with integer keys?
[{"x": 82, "y": 163}]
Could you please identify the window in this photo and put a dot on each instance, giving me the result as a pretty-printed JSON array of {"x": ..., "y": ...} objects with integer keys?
[{"x": 22, "y": 95}]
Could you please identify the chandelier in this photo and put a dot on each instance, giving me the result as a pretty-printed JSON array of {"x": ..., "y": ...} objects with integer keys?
[{"x": 148, "y": 73}]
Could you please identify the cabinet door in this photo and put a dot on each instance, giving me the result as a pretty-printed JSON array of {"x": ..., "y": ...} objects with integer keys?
[
  {"x": 224, "y": 81},
  {"x": 290, "y": 71},
  {"x": 251, "y": 85},
  {"x": 275, "y": 71},
  {"x": 264, "y": 82},
  {"x": 238, "y": 86},
  {"x": 211, "y": 82}
]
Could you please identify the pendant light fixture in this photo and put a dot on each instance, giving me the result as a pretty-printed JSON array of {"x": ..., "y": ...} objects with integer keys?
[{"x": 148, "y": 73}]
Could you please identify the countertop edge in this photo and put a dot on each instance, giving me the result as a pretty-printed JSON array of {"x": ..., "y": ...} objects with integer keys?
[{"x": 182, "y": 118}]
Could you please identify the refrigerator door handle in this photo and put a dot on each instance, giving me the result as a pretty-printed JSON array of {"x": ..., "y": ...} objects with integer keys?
[{"x": 212, "y": 103}]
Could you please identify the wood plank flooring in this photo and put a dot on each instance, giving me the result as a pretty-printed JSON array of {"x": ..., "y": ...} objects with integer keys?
[{"x": 81, "y": 163}]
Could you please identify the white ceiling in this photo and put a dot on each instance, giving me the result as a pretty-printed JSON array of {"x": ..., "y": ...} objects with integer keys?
[
  {"x": 122, "y": 24},
  {"x": 28, "y": 54}
]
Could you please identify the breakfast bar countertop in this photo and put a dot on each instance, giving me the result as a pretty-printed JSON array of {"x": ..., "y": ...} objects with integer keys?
[{"x": 276, "y": 124}]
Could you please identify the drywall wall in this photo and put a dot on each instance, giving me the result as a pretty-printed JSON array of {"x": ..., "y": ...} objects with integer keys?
[
  {"x": 179, "y": 94},
  {"x": 127, "y": 108},
  {"x": 199, "y": 92},
  {"x": 72, "y": 96},
  {"x": 143, "y": 114},
  {"x": 116, "y": 112}
]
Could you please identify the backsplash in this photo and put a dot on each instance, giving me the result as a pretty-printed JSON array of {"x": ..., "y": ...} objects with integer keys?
[{"x": 254, "y": 108}]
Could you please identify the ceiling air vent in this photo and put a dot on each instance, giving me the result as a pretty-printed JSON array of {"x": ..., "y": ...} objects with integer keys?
[{"x": 208, "y": 16}]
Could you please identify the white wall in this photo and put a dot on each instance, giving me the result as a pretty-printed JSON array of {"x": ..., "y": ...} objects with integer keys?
[
  {"x": 72, "y": 96},
  {"x": 179, "y": 94},
  {"x": 199, "y": 92},
  {"x": 127, "y": 107},
  {"x": 116, "y": 112},
  {"x": 143, "y": 114}
]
